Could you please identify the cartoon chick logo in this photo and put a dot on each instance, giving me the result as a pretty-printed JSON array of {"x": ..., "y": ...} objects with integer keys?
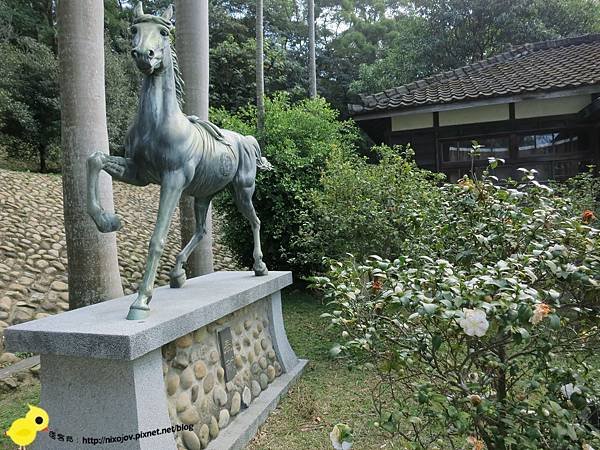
[{"x": 24, "y": 430}]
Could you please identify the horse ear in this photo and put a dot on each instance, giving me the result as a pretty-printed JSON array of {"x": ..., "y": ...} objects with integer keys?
[
  {"x": 168, "y": 14},
  {"x": 138, "y": 11}
]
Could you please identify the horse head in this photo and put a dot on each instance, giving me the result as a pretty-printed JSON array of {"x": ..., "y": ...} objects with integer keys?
[{"x": 151, "y": 39}]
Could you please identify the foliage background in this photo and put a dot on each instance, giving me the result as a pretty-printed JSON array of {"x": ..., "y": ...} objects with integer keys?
[{"x": 362, "y": 46}]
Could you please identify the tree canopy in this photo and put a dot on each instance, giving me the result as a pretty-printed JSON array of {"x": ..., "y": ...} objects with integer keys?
[{"x": 362, "y": 46}]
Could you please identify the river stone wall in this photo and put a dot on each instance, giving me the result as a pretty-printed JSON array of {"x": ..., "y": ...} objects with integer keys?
[{"x": 197, "y": 391}]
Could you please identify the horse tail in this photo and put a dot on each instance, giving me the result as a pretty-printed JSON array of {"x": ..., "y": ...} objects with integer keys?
[{"x": 261, "y": 161}]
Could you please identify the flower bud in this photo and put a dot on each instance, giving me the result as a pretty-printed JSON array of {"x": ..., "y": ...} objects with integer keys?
[{"x": 475, "y": 399}]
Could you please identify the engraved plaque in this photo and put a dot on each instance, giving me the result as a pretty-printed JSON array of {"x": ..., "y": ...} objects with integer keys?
[{"x": 227, "y": 356}]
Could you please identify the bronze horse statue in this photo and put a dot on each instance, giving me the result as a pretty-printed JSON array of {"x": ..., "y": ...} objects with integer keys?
[{"x": 183, "y": 154}]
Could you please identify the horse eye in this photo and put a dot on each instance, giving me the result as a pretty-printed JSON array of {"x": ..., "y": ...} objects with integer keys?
[
  {"x": 164, "y": 33},
  {"x": 39, "y": 420}
]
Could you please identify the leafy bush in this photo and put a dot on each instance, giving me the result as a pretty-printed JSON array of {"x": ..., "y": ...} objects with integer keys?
[
  {"x": 297, "y": 141},
  {"x": 364, "y": 208},
  {"x": 483, "y": 333}
]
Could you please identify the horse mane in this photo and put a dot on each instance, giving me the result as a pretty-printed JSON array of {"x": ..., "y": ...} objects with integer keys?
[{"x": 179, "y": 84}]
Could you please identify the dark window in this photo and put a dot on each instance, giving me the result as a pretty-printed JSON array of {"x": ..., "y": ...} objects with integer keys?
[{"x": 455, "y": 151}]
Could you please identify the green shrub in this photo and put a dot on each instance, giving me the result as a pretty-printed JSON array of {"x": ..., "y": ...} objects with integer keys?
[
  {"x": 483, "y": 333},
  {"x": 365, "y": 209},
  {"x": 297, "y": 141}
]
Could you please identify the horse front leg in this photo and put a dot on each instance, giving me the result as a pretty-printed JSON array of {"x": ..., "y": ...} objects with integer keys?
[
  {"x": 122, "y": 169},
  {"x": 171, "y": 188}
]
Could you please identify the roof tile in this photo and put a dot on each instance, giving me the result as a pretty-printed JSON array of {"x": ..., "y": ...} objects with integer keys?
[{"x": 543, "y": 66}]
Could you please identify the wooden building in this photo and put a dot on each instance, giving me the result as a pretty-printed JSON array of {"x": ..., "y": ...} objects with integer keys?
[{"x": 535, "y": 106}]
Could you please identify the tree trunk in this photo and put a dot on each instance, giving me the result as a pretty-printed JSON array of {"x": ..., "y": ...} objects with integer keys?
[
  {"x": 260, "y": 77},
  {"x": 42, "y": 153},
  {"x": 193, "y": 56},
  {"x": 93, "y": 266},
  {"x": 312, "y": 64}
]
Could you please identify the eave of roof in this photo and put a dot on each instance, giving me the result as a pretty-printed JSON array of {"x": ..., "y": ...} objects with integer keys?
[{"x": 526, "y": 71}]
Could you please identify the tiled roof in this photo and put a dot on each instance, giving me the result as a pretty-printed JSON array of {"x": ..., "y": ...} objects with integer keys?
[{"x": 544, "y": 66}]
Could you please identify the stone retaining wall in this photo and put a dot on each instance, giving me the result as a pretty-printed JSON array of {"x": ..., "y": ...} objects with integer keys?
[{"x": 33, "y": 254}]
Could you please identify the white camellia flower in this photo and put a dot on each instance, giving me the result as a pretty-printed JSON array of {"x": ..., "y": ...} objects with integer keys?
[
  {"x": 474, "y": 323},
  {"x": 569, "y": 389},
  {"x": 587, "y": 447},
  {"x": 341, "y": 437}
]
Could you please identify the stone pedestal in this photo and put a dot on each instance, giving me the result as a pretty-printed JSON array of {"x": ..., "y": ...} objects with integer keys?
[{"x": 203, "y": 371}]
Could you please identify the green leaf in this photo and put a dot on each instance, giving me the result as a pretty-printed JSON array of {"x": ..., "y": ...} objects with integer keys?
[
  {"x": 436, "y": 342},
  {"x": 554, "y": 321}
]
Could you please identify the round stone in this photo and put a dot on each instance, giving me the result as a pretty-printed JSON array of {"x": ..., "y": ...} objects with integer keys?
[
  {"x": 59, "y": 286},
  {"x": 184, "y": 341},
  {"x": 209, "y": 383},
  {"x": 271, "y": 354},
  {"x": 220, "y": 396},
  {"x": 213, "y": 428},
  {"x": 259, "y": 327},
  {"x": 189, "y": 416},
  {"x": 165, "y": 368},
  {"x": 246, "y": 396},
  {"x": 247, "y": 324},
  {"x": 220, "y": 373},
  {"x": 271, "y": 373},
  {"x": 255, "y": 368},
  {"x": 195, "y": 390},
  {"x": 182, "y": 359},
  {"x": 187, "y": 378},
  {"x": 190, "y": 440},
  {"x": 265, "y": 344},
  {"x": 204, "y": 435},
  {"x": 255, "y": 334},
  {"x": 238, "y": 361},
  {"x": 264, "y": 381},
  {"x": 255, "y": 388},
  {"x": 172, "y": 382},
  {"x": 200, "y": 369},
  {"x": 214, "y": 357},
  {"x": 238, "y": 329},
  {"x": 42, "y": 264},
  {"x": 200, "y": 335},
  {"x": 183, "y": 401},
  {"x": 236, "y": 403},
  {"x": 246, "y": 341},
  {"x": 278, "y": 369},
  {"x": 262, "y": 361},
  {"x": 257, "y": 348},
  {"x": 223, "y": 418}
]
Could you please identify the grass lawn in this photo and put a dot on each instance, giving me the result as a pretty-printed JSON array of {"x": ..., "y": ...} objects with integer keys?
[{"x": 327, "y": 393}]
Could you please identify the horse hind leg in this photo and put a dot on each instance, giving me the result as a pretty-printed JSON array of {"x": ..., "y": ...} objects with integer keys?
[
  {"x": 243, "y": 200},
  {"x": 177, "y": 275}
]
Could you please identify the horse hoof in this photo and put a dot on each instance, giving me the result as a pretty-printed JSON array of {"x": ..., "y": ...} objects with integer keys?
[
  {"x": 137, "y": 313},
  {"x": 261, "y": 270},
  {"x": 177, "y": 279},
  {"x": 108, "y": 222}
]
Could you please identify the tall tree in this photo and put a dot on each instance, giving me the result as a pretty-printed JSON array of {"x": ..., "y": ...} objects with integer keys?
[
  {"x": 260, "y": 74},
  {"x": 93, "y": 267},
  {"x": 193, "y": 57},
  {"x": 312, "y": 64}
]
